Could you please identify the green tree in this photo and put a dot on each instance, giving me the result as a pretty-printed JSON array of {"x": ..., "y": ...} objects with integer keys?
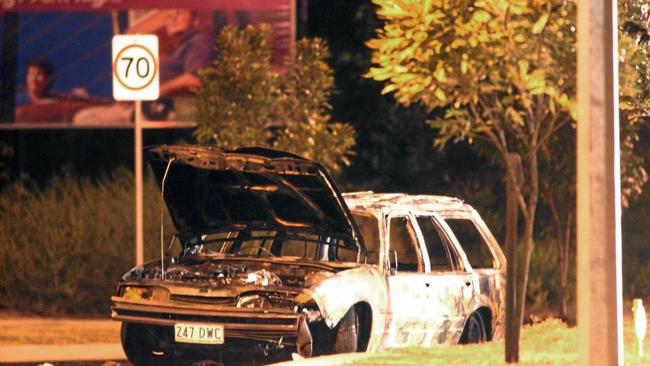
[
  {"x": 634, "y": 94},
  {"x": 236, "y": 102},
  {"x": 634, "y": 20},
  {"x": 244, "y": 102},
  {"x": 559, "y": 159},
  {"x": 504, "y": 71}
]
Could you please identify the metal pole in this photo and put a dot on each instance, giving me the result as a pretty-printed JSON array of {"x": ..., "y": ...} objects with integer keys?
[
  {"x": 139, "y": 256},
  {"x": 599, "y": 300}
]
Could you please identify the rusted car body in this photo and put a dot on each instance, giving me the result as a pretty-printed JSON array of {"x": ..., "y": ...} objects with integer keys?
[{"x": 275, "y": 262}]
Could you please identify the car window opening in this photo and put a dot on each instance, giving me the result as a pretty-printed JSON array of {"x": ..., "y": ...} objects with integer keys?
[
  {"x": 369, "y": 228},
  {"x": 470, "y": 238},
  {"x": 272, "y": 243},
  {"x": 441, "y": 257},
  {"x": 403, "y": 244}
]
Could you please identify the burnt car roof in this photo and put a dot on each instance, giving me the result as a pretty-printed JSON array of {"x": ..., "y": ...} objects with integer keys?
[
  {"x": 209, "y": 189},
  {"x": 376, "y": 203}
]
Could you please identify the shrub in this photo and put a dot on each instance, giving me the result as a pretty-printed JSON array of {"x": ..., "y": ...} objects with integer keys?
[
  {"x": 636, "y": 255},
  {"x": 243, "y": 101},
  {"x": 64, "y": 247},
  {"x": 544, "y": 282},
  {"x": 6, "y": 153}
]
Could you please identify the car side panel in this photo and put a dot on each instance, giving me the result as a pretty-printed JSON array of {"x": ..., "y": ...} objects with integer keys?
[
  {"x": 491, "y": 293},
  {"x": 447, "y": 300},
  {"x": 411, "y": 316},
  {"x": 337, "y": 294},
  {"x": 488, "y": 285},
  {"x": 449, "y": 297}
]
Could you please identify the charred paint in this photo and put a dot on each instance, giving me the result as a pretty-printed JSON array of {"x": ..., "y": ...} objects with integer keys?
[{"x": 270, "y": 303}]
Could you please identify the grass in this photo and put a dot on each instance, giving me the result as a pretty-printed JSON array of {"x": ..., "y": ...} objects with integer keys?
[{"x": 546, "y": 343}]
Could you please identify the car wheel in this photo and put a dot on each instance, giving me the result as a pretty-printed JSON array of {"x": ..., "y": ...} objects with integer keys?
[
  {"x": 140, "y": 346},
  {"x": 347, "y": 333},
  {"x": 474, "y": 331}
]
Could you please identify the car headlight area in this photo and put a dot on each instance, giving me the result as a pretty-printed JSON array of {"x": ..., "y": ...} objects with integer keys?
[{"x": 144, "y": 293}]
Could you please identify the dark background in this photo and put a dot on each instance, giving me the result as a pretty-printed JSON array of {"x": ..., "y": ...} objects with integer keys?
[{"x": 394, "y": 151}]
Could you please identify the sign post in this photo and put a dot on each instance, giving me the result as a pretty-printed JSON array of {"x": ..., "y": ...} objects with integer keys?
[{"x": 136, "y": 78}]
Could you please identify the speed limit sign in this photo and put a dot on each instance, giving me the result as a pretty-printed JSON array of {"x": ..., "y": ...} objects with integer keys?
[{"x": 135, "y": 67}]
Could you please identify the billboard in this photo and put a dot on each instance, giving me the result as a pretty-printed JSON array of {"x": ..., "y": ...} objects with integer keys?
[
  {"x": 63, "y": 53},
  {"x": 93, "y": 5}
]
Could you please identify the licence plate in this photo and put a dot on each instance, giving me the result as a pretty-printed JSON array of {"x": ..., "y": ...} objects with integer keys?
[{"x": 198, "y": 333}]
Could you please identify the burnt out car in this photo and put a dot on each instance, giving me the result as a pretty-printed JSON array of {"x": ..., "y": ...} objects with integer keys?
[{"x": 274, "y": 262}]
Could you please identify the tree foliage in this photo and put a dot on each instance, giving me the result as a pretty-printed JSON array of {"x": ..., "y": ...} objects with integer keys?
[
  {"x": 634, "y": 101},
  {"x": 504, "y": 70},
  {"x": 559, "y": 159},
  {"x": 243, "y": 101},
  {"x": 634, "y": 20},
  {"x": 237, "y": 99},
  {"x": 463, "y": 54}
]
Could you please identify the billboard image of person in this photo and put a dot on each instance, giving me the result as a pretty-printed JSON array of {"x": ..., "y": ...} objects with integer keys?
[{"x": 71, "y": 43}]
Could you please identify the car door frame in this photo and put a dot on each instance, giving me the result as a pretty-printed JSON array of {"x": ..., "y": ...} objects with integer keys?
[
  {"x": 447, "y": 290},
  {"x": 407, "y": 290},
  {"x": 487, "y": 284}
]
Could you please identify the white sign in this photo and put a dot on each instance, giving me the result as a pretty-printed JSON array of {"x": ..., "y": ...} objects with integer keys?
[{"x": 135, "y": 67}]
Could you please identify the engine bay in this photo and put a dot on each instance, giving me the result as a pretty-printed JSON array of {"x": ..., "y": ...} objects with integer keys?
[{"x": 219, "y": 274}]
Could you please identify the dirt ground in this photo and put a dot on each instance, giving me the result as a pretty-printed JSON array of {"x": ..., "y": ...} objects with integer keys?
[{"x": 34, "y": 330}]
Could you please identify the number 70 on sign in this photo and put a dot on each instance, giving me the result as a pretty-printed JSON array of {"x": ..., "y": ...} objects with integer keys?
[{"x": 135, "y": 67}]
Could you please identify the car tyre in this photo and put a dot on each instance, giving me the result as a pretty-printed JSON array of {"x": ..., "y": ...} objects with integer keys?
[
  {"x": 347, "y": 333},
  {"x": 474, "y": 331},
  {"x": 139, "y": 346}
]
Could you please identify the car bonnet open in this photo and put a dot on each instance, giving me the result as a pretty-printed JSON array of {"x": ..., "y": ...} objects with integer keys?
[{"x": 209, "y": 189}]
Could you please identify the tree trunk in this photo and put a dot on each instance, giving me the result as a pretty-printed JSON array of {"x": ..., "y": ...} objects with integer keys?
[
  {"x": 564, "y": 269},
  {"x": 524, "y": 267},
  {"x": 512, "y": 211},
  {"x": 529, "y": 226},
  {"x": 562, "y": 242}
]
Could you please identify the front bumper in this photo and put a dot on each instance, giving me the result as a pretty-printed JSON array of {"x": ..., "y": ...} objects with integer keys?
[{"x": 267, "y": 325}]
